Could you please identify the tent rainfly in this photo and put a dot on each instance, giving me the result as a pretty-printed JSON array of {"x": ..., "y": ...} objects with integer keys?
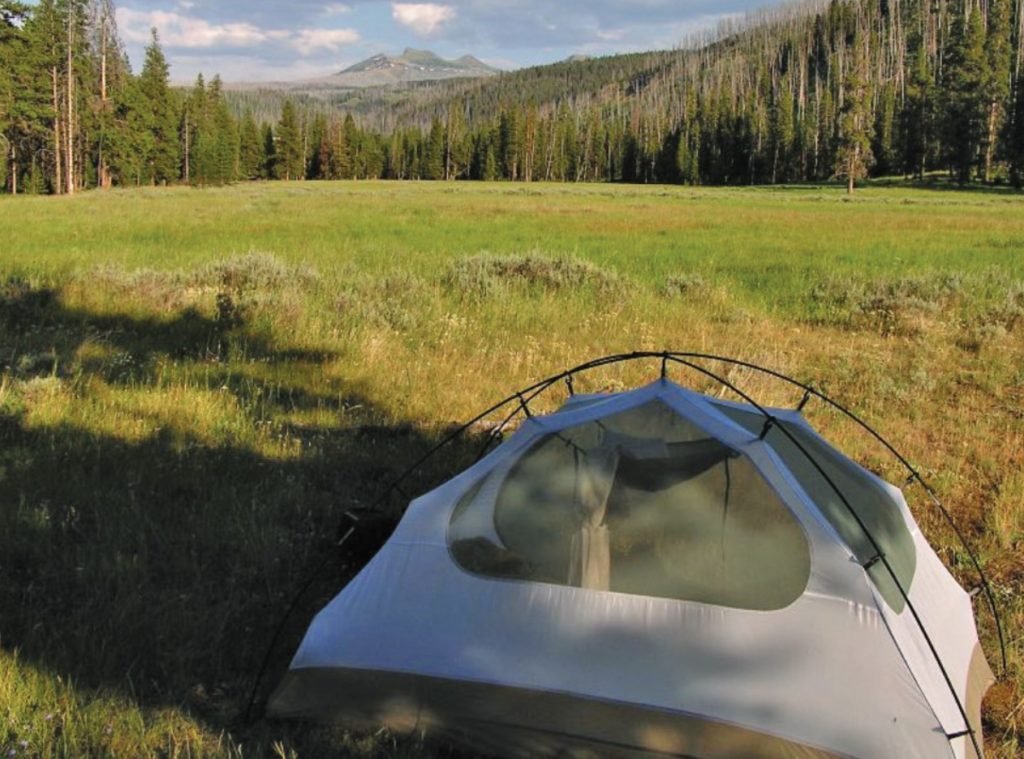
[{"x": 655, "y": 573}]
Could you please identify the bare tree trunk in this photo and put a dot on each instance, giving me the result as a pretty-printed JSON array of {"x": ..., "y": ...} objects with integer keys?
[
  {"x": 990, "y": 143},
  {"x": 187, "y": 158},
  {"x": 14, "y": 170},
  {"x": 69, "y": 155},
  {"x": 102, "y": 170},
  {"x": 58, "y": 169}
]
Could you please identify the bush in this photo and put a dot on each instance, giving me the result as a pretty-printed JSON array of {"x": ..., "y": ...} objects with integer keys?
[
  {"x": 397, "y": 301},
  {"x": 685, "y": 285},
  {"x": 896, "y": 307},
  {"x": 485, "y": 276}
]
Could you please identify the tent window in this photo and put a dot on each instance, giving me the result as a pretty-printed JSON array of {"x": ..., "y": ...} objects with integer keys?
[
  {"x": 641, "y": 502},
  {"x": 875, "y": 507}
]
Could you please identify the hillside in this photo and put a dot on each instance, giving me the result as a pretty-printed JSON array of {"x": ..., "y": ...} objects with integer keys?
[
  {"x": 411, "y": 66},
  {"x": 381, "y": 70},
  {"x": 809, "y": 92},
  {"x": 802, "y": 93}
]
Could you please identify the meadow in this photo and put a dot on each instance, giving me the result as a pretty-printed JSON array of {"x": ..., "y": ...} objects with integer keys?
[{"x": 196, "y": 385}]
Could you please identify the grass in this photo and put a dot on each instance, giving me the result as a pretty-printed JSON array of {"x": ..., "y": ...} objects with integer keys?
[{"x": 195, "y": 386}]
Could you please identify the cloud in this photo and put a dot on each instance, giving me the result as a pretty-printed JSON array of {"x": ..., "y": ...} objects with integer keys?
[
  {"x": 423, "y": 19},
  {"x": 336, "y": 9},
  {"x": 185, "y": 32},
  {"x": 176, "y": 30},
  {"x": 307, "y": 41}
]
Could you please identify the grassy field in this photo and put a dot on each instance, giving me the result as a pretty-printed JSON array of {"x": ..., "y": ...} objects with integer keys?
[{"x": 195, "y": 385}]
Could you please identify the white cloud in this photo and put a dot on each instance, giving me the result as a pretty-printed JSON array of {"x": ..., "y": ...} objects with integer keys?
[
  {"x": 422, "y": 18},
  {"x": 336, "y": 9},
  {"x": 176, "y": 30},
  {"x": 185, "y": 32},
  {"x": 308, "y": 40}
]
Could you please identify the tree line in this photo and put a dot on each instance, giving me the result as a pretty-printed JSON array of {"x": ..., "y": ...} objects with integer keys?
[{"x": 807, "y": 92}]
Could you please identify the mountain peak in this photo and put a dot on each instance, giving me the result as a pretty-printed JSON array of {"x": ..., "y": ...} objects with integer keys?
[{"x": 412, "y": 65}]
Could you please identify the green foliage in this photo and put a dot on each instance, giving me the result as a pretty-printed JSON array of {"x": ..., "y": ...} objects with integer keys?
[
  {"x": 854, "y": 157},
  {"x": 853, "y": 89},
  {"x": 964, "y": 93},
  {"x": 159, "y": 117},
  {"x": 488, "y": 276},
  {"x": 288, "y": 151}
]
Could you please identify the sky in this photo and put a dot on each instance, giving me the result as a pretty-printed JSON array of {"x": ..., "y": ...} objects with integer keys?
[{"x": 264, "y": 40}]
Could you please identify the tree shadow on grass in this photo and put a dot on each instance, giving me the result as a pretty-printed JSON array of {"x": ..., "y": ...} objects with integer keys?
[{"x": 159, "y": 568}]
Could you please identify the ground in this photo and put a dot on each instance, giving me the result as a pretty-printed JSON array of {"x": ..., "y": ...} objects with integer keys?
[{"x": 196, "y": 385}]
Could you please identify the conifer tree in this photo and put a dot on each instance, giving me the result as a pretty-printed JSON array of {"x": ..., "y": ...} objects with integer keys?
[
  {"x": 997, "y": 78},
  {"x": 251, "y": 158},
  {"x": 433, "y": 167},
  {"x": 918, "y": 117},
  {"x": 854, "y": 155},
  {"x": 963, "y": 93},
  {"x": 161, "y": 115},
  {"x": 288, "y": 163},
  {"x": 269, "y": 168}
]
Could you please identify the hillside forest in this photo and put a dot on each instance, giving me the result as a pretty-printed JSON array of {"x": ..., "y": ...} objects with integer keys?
[{"x": 806, "y": 92}]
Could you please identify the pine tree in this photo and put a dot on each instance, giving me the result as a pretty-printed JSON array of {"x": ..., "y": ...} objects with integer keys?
[
  {"x": 252, "y": 157},
  {"x": 23, "y": 101},
  {"x": 854, "y": 156},
  {"x": 997, "y": 78},
  {"x": 963, "y": 93},
  {"x": 1015, "y": 136},
  {"x": 918, "y": 117},
  {"x": 269, "y": 168},
  {"x": 433, "y": 167},
  {"x": 318, "y": 162},
  {"x": 161, "y": 115},
  {"x": 224, "y": 133},
  {"x": 288, "y": 165}
]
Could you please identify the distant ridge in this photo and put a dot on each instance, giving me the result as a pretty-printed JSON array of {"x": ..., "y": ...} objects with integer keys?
[{"x": 411, "y": 66}]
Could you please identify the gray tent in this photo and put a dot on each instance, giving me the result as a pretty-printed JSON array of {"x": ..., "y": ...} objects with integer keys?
[{"x": 655, "y": 572}]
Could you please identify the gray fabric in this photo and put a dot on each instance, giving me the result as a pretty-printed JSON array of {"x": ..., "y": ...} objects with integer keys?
[
  {"x": 876, "y": 509},
  {"x": 642, "y": 502}
]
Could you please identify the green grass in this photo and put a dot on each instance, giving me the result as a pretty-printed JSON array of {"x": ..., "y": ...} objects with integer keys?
[{"x": 194, "y": 386}]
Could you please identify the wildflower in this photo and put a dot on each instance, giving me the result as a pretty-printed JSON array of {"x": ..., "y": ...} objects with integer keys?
[{"x": 48, "y": 717}]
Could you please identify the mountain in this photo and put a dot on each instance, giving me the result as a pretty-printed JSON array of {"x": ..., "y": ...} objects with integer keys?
[{"x": 411, "y": 66}]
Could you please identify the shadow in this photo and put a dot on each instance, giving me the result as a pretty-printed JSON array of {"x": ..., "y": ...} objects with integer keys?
[{"x": 158, "y": 568}]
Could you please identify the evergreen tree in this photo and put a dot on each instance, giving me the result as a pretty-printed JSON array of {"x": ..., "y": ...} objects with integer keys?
[
  {"x": 23, "y": 104},
  {"x": 997, "y": 78},
  {"x": 963, "y": 93},
  {"x": 854, "y": 156},
  {"x": 252, "y": 157},
  {"x": 1015, "y": 136},
  {"x": 288, "y": 164},
  {"x": 160, "y": 117},
  {"x": 433, "y": 167},
  {"x": 918, "y": 117},
  {"x": 269, "y": 168}
]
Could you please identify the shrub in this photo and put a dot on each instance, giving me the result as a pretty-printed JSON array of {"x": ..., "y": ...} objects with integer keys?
[
  {"x": 685, "y": 285},
  {"x": 398, "y": 300},
  {"x": 485, "y": 276}
]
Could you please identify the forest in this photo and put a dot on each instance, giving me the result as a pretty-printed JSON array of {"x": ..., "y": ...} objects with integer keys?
[{"x": 806, "y": 92}]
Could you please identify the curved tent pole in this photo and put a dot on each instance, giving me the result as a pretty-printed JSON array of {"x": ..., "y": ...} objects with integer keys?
[
  {"x": 809, "y": 391},
  {"x": 915, "y": 476},
  {"x": 880, "y": 557},
  {"x": 522, "y": 399}
]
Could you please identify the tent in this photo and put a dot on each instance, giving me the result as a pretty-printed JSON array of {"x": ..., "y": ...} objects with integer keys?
[{"x": 654, "y": 572}]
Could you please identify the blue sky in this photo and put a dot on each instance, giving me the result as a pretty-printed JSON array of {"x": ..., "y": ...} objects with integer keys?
[{"x": 263, "y": 40}]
